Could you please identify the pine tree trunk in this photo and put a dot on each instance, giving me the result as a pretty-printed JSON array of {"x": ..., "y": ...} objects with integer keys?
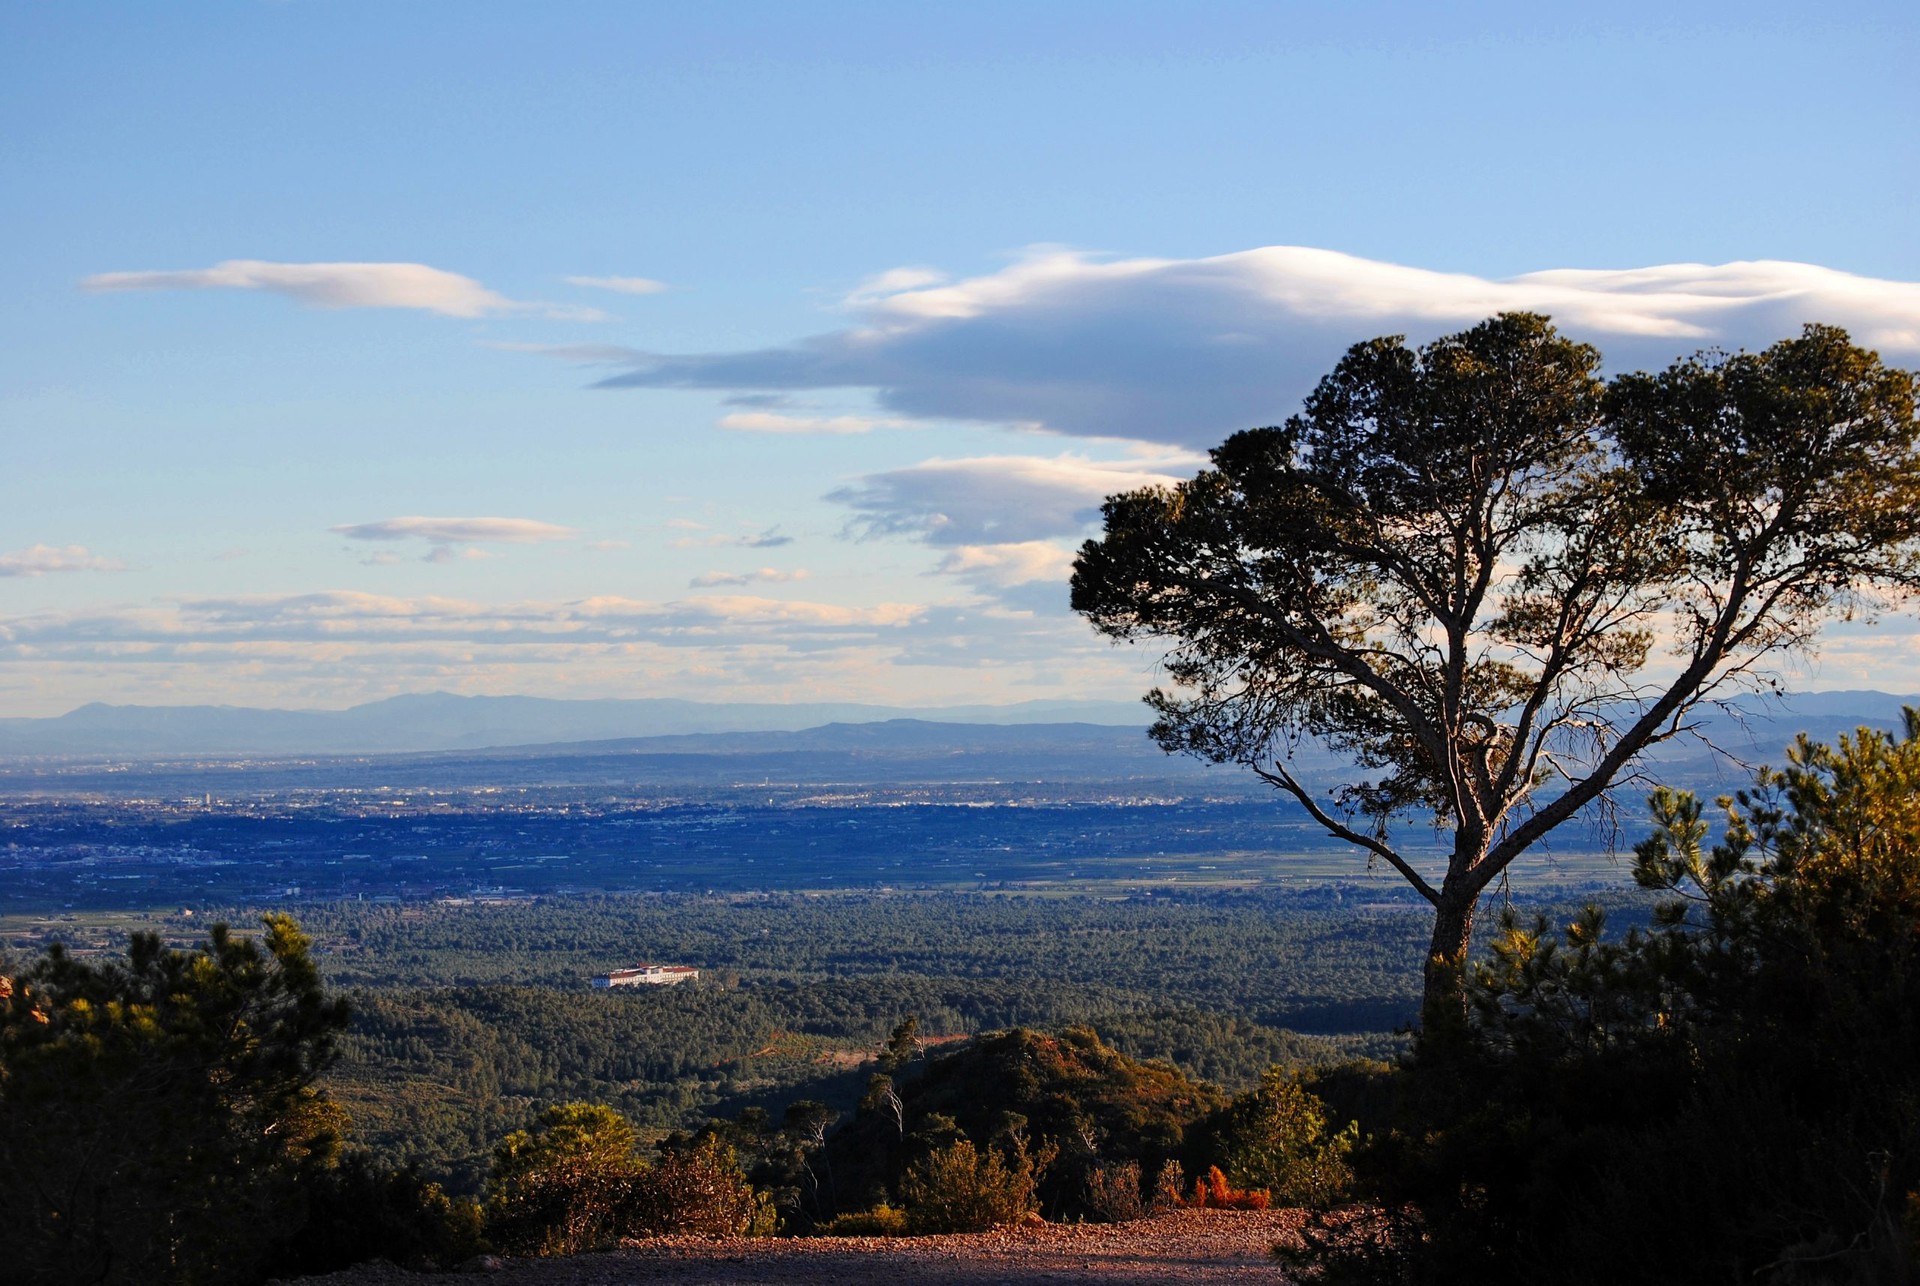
[{"x": 1443, "y": 1006}]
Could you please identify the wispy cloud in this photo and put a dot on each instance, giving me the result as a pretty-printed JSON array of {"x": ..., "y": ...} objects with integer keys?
[
  {"x": 578, "y": 354},
  {"x": 1188, "y": 350},
  {"x": 894, "y": 281},
  {"x": 453, "y": 531},
  {"x": 45, "y": 560},
  {"x": 620, "y": 285},
  {"x": 774, "y": 422},
  {"x": 762, "y": 575},
  {"x": 346, "y": 285},
  {"x": 1000, "y": 500}
]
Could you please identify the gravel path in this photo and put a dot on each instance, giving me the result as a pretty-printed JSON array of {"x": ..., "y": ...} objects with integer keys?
[{"x": 1184, "y": 1246}]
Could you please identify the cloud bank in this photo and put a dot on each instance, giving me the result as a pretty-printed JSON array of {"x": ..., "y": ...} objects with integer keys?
[
  {"x": 345, "y": 285},
  {"x": 1184, "y": 351},
  {"x": 317, "y": 625}
]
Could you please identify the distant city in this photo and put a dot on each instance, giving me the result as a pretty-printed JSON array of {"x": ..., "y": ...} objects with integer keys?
[{"x": 895, "y": 804}]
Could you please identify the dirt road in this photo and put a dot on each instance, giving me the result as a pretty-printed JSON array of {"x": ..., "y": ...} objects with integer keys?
[{"x": 1186, "y": 1246}]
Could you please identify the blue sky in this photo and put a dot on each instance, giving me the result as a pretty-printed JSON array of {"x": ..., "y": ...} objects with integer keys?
[{"x": 788, "y": 347}]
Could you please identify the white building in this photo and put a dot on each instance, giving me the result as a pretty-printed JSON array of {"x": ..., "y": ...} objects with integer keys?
[{"x": 647, "y": 975}]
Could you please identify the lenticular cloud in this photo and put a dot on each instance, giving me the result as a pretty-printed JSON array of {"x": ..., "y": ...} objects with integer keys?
[
  {"x": 1184, "y": 351},
  {"x": 343, "y": 285}
]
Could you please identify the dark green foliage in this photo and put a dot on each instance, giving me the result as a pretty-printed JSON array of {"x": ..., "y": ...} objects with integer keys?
[
  {"x": 1749, "y": 1059},
  {"x": 1451, "y": 568},
  {"x": 158, "y": 1116},
  {"x": 358, "y": 1212}
]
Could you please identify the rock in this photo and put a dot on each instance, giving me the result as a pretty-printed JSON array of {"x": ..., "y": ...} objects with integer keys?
[{"x": 482, "y": 1264}]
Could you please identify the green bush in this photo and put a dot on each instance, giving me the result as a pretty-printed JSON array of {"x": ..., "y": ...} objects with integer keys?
[
  {"x": 881, "y": 1221},
  {"x": 1278, "y": 1138},
  {"x": 960, "y": 1188},
  {"x": 557, "y": 1189}
]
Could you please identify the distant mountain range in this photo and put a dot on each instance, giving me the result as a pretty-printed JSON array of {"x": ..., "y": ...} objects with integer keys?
[
  {"x": 1755, "y": 729},
  {"x": 441, "y": 721}
]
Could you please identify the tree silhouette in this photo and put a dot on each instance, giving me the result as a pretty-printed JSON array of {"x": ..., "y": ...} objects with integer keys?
[
  {"x": 158, "y": 1115},
  {"x": 1493, "y": 580}
]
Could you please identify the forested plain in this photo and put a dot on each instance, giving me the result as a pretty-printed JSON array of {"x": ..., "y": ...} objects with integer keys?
[{"x": 469, "y": 1019}]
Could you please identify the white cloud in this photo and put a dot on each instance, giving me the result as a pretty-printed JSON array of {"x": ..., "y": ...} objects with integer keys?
[
  {"x": 1001, "y": 500},
  {"x": 1189, "y": 350},
  {"x": 773, "y": 422},
  {"x": 620, "y": 285},
  {"x": 1003, "y": 566},
  {"x": 762, "y": 575},
  {"x": 345, "y": 285},
  {"x": 892, "y": 282},
  {"x": 43, "y": 560},
  {"x": 1029, "y": 576},
  {"x": 450, "y": 531}
]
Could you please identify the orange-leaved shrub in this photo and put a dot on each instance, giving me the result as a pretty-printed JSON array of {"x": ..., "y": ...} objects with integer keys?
[{"x": 1211, "y": 1191}]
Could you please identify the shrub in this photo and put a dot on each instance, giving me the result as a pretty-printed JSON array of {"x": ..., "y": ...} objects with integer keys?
[
  {"x": 574, "y": 1183},
  {"x": 361, "y": 1211},
  {"x": 557, "y": 1189},
  {"x": 960, "y": 1188},
  {"x": 1276, "y": 1137},
  {"x": 700, "y": 1191},
  {"x": 1113, "y": 1192},
  {"x": 1169, "y": 1188},
  {"x": 1212, "y": 1191},
  {"x": 881, "y": 1221}
]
